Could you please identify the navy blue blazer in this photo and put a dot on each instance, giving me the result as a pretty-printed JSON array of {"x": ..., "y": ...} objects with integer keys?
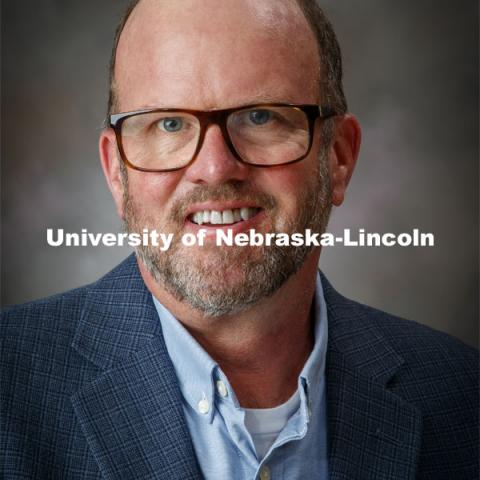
[{"x": 88, "y": 391}]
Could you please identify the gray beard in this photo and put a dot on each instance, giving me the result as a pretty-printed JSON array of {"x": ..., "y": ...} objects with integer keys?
[{"x": 205, "y": 283}]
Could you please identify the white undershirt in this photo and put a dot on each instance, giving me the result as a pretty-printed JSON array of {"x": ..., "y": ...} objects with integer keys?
[{"x": 265, "y": 424}]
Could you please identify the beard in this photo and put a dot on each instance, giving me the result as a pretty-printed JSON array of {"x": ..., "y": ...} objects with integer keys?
[{"x": 224, "y": 280}]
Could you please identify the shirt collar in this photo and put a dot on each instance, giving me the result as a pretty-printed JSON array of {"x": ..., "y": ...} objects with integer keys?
[
  {"x": 312, "y": 377},
  {"x": 197, "y": 371},
  {"x": 193, "y": 366},
  {"x": 315, "y": 365}
]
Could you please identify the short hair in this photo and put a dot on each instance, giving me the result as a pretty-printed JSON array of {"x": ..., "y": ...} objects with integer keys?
[{"x": 331, "y": 87}]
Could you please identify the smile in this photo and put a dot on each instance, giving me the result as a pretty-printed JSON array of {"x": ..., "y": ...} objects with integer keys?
[{"x": 223, "y": 217}]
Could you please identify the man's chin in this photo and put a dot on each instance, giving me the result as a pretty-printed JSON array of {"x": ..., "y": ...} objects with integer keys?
[
  {"x": 216, "y": 271},
  {"x": 220, "y": 281}
]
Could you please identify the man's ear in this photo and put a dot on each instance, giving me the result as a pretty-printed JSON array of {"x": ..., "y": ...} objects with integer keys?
[
  {"x": 111, "y": 168},
  {"x": 343, "y": 155}
]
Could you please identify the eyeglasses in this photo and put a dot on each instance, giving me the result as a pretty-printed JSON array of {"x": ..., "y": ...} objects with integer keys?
[{"x": 263, "y": 135}]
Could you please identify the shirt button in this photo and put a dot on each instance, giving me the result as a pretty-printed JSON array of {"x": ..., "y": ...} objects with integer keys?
[
  {"x": 265, "y": 473},
  {"x": 203, "y": 406},
  {"x": 221, "y": 389}
]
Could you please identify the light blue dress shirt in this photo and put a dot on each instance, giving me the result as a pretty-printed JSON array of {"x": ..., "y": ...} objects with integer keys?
[{"x": 223, "y": 445}]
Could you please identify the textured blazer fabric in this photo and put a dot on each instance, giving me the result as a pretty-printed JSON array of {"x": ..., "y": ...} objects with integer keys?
[{"x": 88, "y": 391}]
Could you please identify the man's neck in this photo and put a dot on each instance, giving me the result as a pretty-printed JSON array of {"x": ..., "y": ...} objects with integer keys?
[{"x": 263, "y": 349}]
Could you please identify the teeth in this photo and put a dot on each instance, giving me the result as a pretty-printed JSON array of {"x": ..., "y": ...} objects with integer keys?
[
  {"x": 198, "y": 217},
  {"x": 236, "y": 215},
  {"x": 225, "y": 217},
  {"x": 245, "y": 213},
  {"x": 215, "y": 217}
]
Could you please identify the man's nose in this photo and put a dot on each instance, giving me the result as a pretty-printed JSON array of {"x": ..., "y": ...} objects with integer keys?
[{"x": 215, "y": 163}]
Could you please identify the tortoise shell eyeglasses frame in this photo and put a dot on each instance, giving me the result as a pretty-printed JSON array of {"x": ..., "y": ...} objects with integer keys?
[{"x": 218, "y": 117}]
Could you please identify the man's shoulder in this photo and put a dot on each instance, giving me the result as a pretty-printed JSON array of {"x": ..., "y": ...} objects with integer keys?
[
  {"x": 36, "y": 339},
  {"x": 48, "y": 323},
  {"x": 45, "y": 311},
  {"x": 405, "y": 335},
  {"x": 433, "y": 370},
  {"x": 55, "y": 315},
  {"x": 417, "y": 342}
]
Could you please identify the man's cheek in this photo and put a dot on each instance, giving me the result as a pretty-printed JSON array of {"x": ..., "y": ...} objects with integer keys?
[{"x": 286, "y": 212}]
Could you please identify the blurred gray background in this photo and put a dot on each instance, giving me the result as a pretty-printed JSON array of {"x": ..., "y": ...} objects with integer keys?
[{"x": 411, "y": 77}]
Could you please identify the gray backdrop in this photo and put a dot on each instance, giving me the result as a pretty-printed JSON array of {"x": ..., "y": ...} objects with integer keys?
[{"x": 410, "y": 76}]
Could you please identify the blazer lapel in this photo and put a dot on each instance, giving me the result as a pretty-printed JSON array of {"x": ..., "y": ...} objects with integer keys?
[
  {"x": 131, "y": 413},
  {"x": 373, "y": 433}
]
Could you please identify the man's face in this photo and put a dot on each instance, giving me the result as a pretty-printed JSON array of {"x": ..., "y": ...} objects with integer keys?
[{"x": 212, "y": 55}]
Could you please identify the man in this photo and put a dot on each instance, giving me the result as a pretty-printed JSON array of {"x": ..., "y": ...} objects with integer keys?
[{"x": 229, "y": 362}]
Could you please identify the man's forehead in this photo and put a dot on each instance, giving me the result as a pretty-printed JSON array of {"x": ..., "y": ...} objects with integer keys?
[
  {"x": 273, "y": 15},
  {"x": 209, "y": 41}
]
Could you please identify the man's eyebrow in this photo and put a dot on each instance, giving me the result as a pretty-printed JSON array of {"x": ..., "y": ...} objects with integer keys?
[
  {"x": 262, "y": 97},
  {"x": 257, "y": 99},
  {"x": 265, "y": 97}
]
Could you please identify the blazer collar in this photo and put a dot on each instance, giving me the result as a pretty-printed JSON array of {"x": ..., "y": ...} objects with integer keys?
[
  {"x": 373, "y": 433},
  {"x": 131, "y": 413}
]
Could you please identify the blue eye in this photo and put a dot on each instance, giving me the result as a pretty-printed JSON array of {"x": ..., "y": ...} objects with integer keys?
[
  {"x": 260, "y": 117},
  {"x": 171, "y": 124}
]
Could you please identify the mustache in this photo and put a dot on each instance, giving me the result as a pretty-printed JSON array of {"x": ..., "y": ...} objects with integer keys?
[{"x": 221, "y": 193}]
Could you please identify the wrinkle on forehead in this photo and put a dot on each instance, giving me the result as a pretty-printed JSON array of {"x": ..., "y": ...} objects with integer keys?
[{"x": 186, "y": 33}]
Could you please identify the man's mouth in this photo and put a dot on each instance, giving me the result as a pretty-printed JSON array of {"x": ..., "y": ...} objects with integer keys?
[{"x": 223, "y": 217}]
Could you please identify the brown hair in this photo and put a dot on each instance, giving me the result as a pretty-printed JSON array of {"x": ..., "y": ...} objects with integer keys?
[{"x": 329, "y": 51}]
